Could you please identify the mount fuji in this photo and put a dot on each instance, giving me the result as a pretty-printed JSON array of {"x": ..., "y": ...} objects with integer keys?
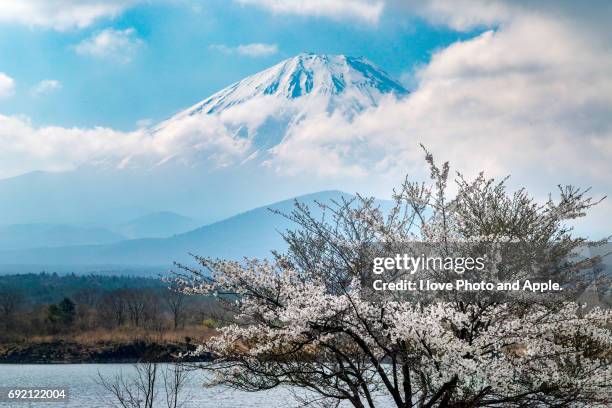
[
  {"x": 261, "y": 110},
  {"x": 307, "y": 82},
  {"x": 208, "y": 162}
]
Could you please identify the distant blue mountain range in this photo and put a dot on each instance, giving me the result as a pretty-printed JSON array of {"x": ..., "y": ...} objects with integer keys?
[
  {"x": 157, "y": 225},
  {"x": 23, "y": 236},
  {"x": 154, "y": 225},
  {"x": 253, "y": 233}
]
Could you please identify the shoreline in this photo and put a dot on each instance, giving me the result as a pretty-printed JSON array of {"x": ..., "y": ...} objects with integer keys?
[{"x": 103, "y": 352}]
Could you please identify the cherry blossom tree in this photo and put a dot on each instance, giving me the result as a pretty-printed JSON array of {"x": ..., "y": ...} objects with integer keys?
[{"x": 309, "y": 320}]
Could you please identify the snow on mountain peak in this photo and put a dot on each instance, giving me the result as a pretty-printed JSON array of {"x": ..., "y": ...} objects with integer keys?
[
  {"x": 352, "y": 83},
  {"x": 253, "y": 116}
]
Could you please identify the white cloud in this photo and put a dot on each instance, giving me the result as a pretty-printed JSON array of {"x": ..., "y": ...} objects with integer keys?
[
  {"x": 119, "y": 45},
  {"x": 24, "y": 147},
  {"x": 7, "y": 85},
  {"x": 45, "y": 86},
  {"x": 531, "y": 98},
  {"x": 461, "y": 14},
  {"x": 257, "y": 49},
  {"x": 249, "y": 50},
  {"x": 544, "y": 107},
  {"x": 60, "y": 14},
  {"x": 365, "y": 10},
  {"x": 465, "y": 15}
]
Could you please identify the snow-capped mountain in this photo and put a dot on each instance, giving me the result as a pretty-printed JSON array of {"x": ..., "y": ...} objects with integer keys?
[
  {"x": 264, "y": 106},
  {"x": 346, "y": 83},
  {"x": 229, "y": 152}
]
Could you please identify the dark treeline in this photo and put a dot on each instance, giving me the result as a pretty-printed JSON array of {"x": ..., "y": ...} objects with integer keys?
[
  {"x": 51, "y": 288},
  {"x": 35, "y": 305}
]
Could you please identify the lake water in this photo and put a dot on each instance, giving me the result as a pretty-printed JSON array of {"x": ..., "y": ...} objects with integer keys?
[{"x": 84, "y": 390}]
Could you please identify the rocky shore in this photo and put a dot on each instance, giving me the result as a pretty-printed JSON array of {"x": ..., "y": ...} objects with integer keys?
[{"x": 69, "y": 352}]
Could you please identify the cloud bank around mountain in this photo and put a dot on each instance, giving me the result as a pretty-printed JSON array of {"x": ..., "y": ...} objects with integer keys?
[
  {"x": 536, "y": 88},
  {"x": 54, "y": 148},
  {"x": 532, "y": 94}
]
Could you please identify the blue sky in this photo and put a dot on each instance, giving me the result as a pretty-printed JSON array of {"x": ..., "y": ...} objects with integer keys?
[
  {"x": 505, "y": 86},
  {"x": 176, "y": 57}
]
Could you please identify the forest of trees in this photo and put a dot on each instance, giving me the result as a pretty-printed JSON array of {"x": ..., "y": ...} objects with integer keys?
[{"x": 46, "y": 304}]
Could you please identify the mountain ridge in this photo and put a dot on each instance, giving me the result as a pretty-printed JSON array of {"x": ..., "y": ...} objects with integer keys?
[{"x": 252, "y": 233}]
